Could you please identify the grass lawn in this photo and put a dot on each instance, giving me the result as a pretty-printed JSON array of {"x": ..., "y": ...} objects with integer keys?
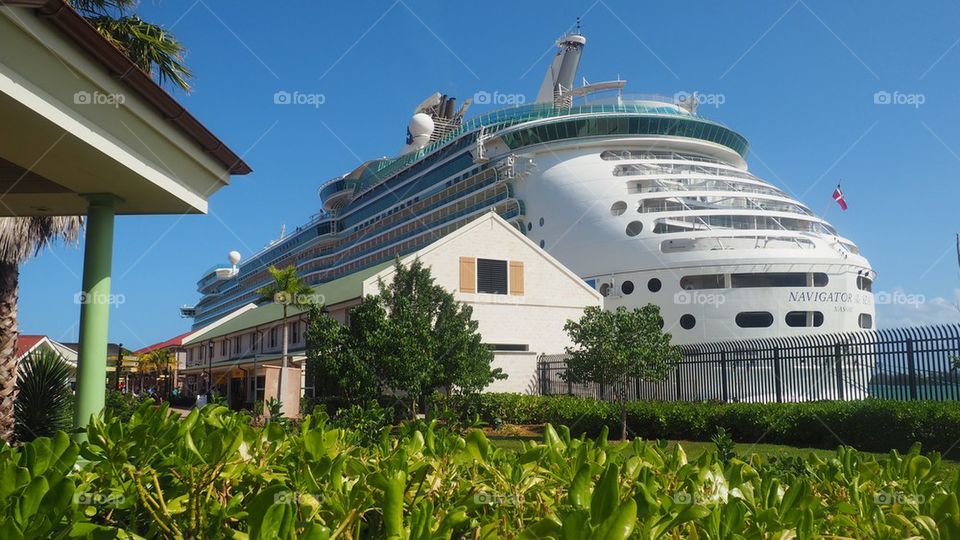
[{"x": 695, "y": 449}]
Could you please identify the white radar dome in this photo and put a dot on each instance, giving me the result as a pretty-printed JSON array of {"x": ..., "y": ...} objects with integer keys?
[
  {"x": 233, "y": 257},
  {"x": 421, "y": 124}
]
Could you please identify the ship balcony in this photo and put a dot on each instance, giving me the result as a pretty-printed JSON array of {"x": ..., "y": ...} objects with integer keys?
[{"x": 335, "y": 195}]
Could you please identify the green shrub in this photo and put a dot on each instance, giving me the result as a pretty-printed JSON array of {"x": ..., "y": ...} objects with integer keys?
[
  {"x": 44, "y": 403},
  {"x": 871, "y": 425},
  {"x": 212, "y": 474},
  {"x": 122, "y": 406}
]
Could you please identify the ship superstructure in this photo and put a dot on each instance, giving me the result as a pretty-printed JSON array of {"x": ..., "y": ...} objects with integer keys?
[{"x": 639, "y": 195}]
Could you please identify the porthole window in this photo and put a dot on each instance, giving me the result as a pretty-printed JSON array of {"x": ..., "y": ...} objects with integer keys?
[
  {"x": 634, "y": 228},
  {"x": 626, "y": 287},
  {"x": 529, "y": 226},
  {"x": 543, "y": 244},
  {"x": 654, "y": 285},
  {"x": 541, "y": 222},
  {"x": 799, "y": 319},
  {"x": 688, "y": 321},
  {"x": 618, "y": 208},
  {"x": 866, "y": 321},
  {"x": 754, "y": 319},
  {"x": 605, "y": 289}
]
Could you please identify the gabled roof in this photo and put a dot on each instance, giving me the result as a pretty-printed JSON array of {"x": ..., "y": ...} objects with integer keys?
[
  {"x": 172, "y": 342},
  {"x": 492, "y": 219},
  {"x": 27, "y": 342}
]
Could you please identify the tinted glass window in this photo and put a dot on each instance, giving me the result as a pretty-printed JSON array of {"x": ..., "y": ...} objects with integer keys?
[
  {"x": 706, "y": 281},
  {"x": 754, "y": 319},
  {"x": 770, "y": 279},
  {"x": 491, "y": 276},
  {"x": 799, "y": 319}
]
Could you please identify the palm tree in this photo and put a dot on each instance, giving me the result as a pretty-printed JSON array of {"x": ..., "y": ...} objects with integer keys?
[
  {"x": 287, "y": 289},
  {"x": 156, "y": 52},
  {"x": 20, "y": 239}
]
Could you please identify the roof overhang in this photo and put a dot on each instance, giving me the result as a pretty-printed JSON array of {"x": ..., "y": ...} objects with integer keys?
[{"x": 80, "y": 118}]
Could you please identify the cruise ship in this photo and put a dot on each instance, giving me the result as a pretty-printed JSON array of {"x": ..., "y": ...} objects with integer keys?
[{"x": 641, "y": 196}]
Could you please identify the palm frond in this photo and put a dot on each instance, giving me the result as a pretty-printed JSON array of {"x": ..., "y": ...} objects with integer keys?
[
  {"x": 149, "y": 46},
  {"x": 24, "y": 237}
]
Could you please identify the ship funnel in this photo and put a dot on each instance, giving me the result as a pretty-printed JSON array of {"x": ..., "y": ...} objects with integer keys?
[{"x": 558, "y": 82}]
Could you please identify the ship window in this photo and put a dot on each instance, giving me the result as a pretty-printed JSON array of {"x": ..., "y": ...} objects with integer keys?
[
  {"x": 626, "y": 287},
  {"x": 634, "y": 228},
  {"x": 654, "y": 285},
  {"x": 705, "y": 281},
  {"x": 529, "y": 226},
  {"x": 543, "y": 244},
  {"x": 820, "y": 279},
  {"x": 491, "y": 276},
  {"x": 754, "y": 319},
  {"x": 798, "y": 319},
  {"x": 541, "y": 222},
  {"x": 769, "y": 279},
  {"x": 618, "y": 208},
  {"x": 864, "y": 283},
  {"x": 688, "y": 321},
  {"x": 866, "y": 321}
]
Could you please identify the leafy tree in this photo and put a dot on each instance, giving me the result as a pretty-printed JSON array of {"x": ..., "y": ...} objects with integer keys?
[
  {"x": 613, "y": 347},
  {"x": 44, "y": 399},
  {"x": 432, "y": 340},
  {"x": 412, "y": 337},
  {"x": 338, "y": 377},
  {"x": 287, "y": 289}
]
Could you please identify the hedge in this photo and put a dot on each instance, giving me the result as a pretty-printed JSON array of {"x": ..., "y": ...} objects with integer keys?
[{"x": 870, "y": 425}]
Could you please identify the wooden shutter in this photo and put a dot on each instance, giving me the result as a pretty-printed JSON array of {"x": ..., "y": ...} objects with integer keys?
[
  {"x": 468, "y": 275},
  {"x": 516, "y": 278}
]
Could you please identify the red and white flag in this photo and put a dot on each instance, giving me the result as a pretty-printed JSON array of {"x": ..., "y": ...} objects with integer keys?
[{"x": 838, "y": 196}]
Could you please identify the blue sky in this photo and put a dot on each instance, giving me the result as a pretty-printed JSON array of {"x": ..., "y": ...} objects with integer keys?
[{"x": 798, "y": 78}]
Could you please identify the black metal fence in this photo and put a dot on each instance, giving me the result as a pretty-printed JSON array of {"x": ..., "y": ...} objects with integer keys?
[{"x": 900, "y": 364}]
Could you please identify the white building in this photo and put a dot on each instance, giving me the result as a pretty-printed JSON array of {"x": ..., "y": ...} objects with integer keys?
[{"x": 520, "y": 295}]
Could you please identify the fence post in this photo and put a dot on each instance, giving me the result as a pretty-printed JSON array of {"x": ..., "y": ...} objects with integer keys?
[
  {"x": 543, "y": 377},
  {"x": 723, "y": 376},
  {"x": 569, "y": 382},
  {"x": 838, "y": 363},
  {"x": 777, "y": 374},
  {"x": 912, "y": 369},
  {"x": 678, "y": 381}
]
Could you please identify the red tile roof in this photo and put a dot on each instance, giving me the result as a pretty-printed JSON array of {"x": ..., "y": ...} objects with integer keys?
[
  {"x": 172, "y": 342},
  {"x": 25, "y": 342}
]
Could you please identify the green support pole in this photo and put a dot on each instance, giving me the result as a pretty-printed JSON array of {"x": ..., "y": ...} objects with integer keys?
[{"x": 94, "y": 311}]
